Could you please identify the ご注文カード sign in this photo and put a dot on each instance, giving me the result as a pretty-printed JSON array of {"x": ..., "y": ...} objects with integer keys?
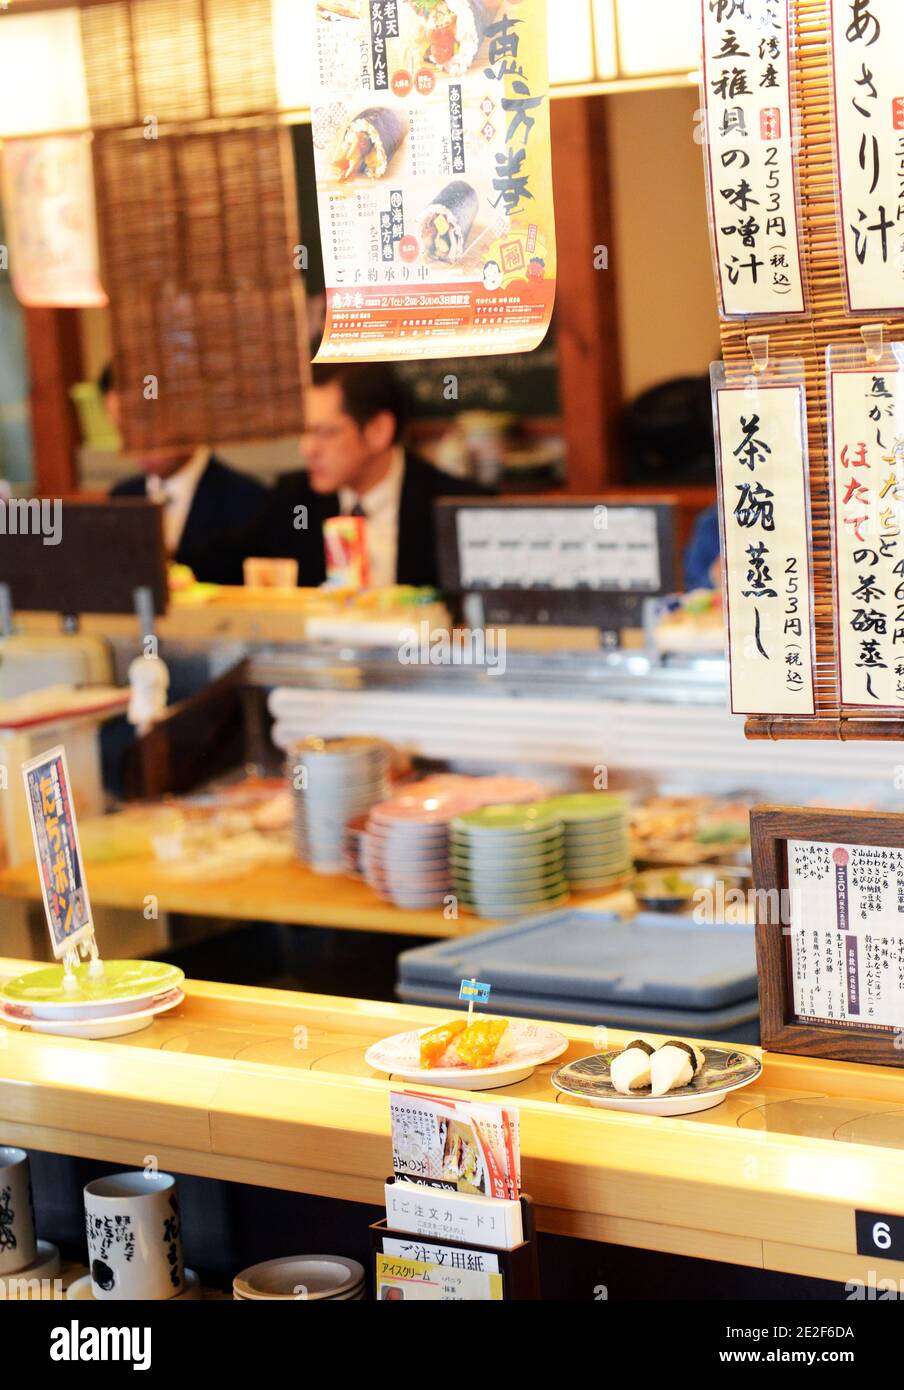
[
  {"x": 868, "y": 78},
  {"x": 866, "y": 439},
  {"x": 432, "y": 152},
  {"x": 750, "y": 165},
  {"x": 764, "y": 515},
  {"x": 57, "y": 851}
]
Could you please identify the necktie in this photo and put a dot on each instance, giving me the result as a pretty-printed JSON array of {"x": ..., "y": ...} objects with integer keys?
[{"x": 358, "y": 510}]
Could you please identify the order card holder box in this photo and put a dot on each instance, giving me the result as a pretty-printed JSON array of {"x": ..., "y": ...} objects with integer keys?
[{"x": 519, "y": 1266}]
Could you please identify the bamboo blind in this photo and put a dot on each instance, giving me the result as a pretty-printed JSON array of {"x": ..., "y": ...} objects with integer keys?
[
  {"x": 828, "y": 323},
  {"x": 196, "y": 218},
  {"x": 196, "y": 234},
  {"x": 178, "y": 60}
]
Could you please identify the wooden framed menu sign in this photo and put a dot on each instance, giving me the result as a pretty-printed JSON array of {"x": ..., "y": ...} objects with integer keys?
[{"x": 830, "y": 932}]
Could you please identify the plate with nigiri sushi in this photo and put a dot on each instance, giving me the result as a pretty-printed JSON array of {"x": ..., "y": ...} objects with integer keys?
[
  {"x": 471, "y": 1054},
  {"x": 653, "y": 1078}
]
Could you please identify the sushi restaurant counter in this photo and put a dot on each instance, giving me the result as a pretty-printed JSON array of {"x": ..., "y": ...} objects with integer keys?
[
  {"x": 270, "y": 1087},
  {"x": 289, "y": 893}
]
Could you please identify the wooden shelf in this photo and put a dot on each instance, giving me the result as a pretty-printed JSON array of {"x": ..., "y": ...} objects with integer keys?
[
  {"x": 271, "y": 1088},
  {"x": 288, "y": 893}
]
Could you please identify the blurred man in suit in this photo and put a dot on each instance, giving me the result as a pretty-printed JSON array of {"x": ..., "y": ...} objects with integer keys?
[
  {"x": 203, "y": 499},
  {"x": 355, "y": 417}
]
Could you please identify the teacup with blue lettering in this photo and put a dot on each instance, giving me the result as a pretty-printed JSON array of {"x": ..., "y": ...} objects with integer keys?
[
  {"x": 17, "y": 1213},
  {"x": 134, "y": 1236}
]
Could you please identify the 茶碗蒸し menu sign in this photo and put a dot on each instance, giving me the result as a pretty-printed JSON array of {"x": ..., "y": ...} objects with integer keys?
[{"x": 432, "y": 151}]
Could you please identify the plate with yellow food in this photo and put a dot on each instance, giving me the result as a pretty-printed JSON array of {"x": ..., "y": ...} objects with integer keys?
[{"x": 470, "y": 1054}]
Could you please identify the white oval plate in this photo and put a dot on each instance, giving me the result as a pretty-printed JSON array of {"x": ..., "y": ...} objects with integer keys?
[
  {"x": 528, "y": 1045},
  {"x": 725, "y": 1069},
  {"x": 95, "y": 1028},
  {"x": 85, "y": 1013}
]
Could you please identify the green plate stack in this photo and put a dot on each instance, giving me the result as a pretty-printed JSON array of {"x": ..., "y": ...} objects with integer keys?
[
  {"x": 597, "y": 853},
  {"x": 507, "y": 860}
]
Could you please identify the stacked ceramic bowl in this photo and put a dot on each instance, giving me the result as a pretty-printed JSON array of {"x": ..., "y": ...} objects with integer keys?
[
  {"x": 507, "y": 860},
  {"x": 333, "y": 781},
  {"x": 406, "y": 848},
  {"x": 302, "y": 1279},
  {"x": 124, "y": 998},
  {"x": 597, "y": 853}
]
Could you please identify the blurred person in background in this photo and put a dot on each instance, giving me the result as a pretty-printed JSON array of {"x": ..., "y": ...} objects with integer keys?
[
  {"x": 356, "y": 465},
  {"x": 203, "y": 499}
]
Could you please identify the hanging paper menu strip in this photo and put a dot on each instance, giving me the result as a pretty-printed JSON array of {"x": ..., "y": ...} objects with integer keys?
[
  {"x": 867, "y": 44},
  {"x": 764, "y": 515},
  {"x": 57, "y": 851},
  {"x": 434, "y": 178},
  {"x": 866, "y": 443},
  {"x": 846, "y": 938},
  {"x": 749, "y": 156}
]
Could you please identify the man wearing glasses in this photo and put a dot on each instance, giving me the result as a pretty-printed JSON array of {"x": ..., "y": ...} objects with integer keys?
[{"x": 356, "y": 465}]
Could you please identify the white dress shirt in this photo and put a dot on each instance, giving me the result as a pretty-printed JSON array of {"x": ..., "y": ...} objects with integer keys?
[
  {"x": 380, "y": 505},
  {"x": 176, "y": 494}
]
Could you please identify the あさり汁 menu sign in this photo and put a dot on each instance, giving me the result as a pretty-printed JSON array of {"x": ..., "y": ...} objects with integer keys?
[
  {"x": 868, "y": 75},
  {"x": 749, "y": 148},
  {"x": 432, "y": 151}
]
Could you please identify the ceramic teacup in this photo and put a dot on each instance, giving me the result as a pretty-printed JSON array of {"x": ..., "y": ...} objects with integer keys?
[
  {"x": 134, "y": 1236},
  {"x": 17, "y": 1213}
]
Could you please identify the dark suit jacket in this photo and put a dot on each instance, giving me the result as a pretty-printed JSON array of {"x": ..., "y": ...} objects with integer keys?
[
  {"x": 224, "y": 501},
  {"x": 291, "y": 524}
]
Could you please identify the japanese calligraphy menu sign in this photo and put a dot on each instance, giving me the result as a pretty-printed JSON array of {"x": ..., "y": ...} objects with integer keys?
[
  {"x": 431, "y": 144},
  {"x": 749, "y": 147},
  {"x": 846, "y": 937},
  {"x": 57, "y": 851},
  {"x": 868, "y": 73},
  {"x": 761, "y": 447},
  {"x": 867, "y": 454}
]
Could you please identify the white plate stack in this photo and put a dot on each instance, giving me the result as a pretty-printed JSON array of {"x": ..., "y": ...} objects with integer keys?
[
  {"x": 333, "y": 781},
  {"x": 302, "y": 1279}
]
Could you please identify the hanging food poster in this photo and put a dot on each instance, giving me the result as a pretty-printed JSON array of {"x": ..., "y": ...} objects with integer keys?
[
  {"x": 763, "y": 504},
  {"x": 48, "y": 194},
  {"x": 750, "y": 157},
  {"x": 431, "y": 143},
  {"x": 846, "y": 937},
  {"x": 867, "y": 48},
  {"x": 867, "y": 454}
]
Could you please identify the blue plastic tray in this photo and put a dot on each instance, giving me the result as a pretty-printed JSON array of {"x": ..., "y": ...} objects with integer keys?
[{"x": 653, "y": 961}]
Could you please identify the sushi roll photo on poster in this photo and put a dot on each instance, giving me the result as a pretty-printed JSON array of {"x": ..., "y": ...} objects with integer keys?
[
  {"x": 369, "y": 143},
  {"x": 447, "y": 223},
  {"x": 452, "y": 32}
]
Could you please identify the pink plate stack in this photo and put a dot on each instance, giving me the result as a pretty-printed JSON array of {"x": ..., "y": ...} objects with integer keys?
[{"x": 405, "y": 847}]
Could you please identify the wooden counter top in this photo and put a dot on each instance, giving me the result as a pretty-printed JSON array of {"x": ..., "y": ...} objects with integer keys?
[
  {"x": 289, "y": 893},
  {"x": 270, "y": 1087}
]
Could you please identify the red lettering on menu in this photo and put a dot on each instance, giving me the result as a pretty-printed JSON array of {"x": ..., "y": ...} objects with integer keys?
[{"x": 771, "y": 123}]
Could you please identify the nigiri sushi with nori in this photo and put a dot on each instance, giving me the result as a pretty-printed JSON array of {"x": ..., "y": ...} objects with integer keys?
[
  {"x": 447, "y": 223},
  {"x": 453, "y": 31},
  {"x": 672, "y": 1065},
  {"x": 630, "y": 1069},
  {"x": 369, "y": 143}
]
